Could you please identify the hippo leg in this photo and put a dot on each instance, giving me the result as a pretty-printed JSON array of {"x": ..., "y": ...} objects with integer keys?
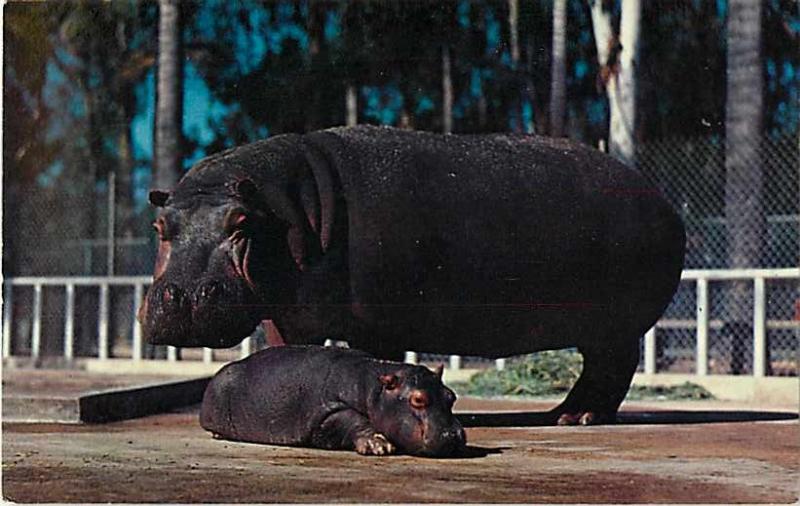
[
  {"x": 601, "y": 387},
  {"x": 350, "y": 430}
]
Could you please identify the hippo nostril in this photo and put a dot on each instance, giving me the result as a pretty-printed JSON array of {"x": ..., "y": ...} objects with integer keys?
[
  {"x": 172, "y": 297},
  {"x": 208, "y": 292}
]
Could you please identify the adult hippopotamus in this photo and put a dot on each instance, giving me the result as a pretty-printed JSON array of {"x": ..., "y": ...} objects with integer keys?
[
  {"x": 393, "y": 240},
  {"x": 333, "y": 398}
]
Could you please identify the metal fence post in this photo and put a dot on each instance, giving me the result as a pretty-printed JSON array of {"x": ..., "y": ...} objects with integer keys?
[
  {"x": 102, "y": 323},
  {"x": 702, "y": 326},
  {"x": 36, "y": 330},
  {"x": 759, "y": 327},
  {"x": 650, "y": 351},
  {"x": 138, "y": 294},
  {"x": 8, "y": 312},
  {"x": 246, "y": 347},
  {"x": 69, "y": 315}
]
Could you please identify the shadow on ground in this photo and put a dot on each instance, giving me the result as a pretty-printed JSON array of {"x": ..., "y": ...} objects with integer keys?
[{"x": 534, "y": 419}]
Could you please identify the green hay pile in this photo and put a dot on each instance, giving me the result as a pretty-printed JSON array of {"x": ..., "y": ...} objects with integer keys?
[{"x": 552, "y": 373}]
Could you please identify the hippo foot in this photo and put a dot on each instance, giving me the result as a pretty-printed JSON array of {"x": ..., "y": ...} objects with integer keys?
[
  {"x": 376, "y": 444},
  {"x": 585, "y": 418}
]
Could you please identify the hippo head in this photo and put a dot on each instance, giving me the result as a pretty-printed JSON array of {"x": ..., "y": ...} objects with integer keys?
[
  {"x": 414, "y": 410},
  {"x": 223, "y": 260}
]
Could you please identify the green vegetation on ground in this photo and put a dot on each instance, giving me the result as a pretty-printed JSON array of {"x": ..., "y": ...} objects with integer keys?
[{"x": 552, "y": 373}]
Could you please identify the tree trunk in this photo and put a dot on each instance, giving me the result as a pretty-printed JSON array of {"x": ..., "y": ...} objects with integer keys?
[
  {"x": 482, "y": 110},
  {"x": 314, "y": 24},
  {"x": 558, "y": 74},
  {"x": 623, "y": 107},
  {"x": 169, "y": 107},
  {"x": 447, "y": 92},
  {"x": 539, "y": 113},
  {"x": 351, "y": 105},
  {"x": 513, "y": 29},
  {"x": 618, "y": 57},
  {"x": 521, "y": 81},
  {"x": 744, "y": 182}
]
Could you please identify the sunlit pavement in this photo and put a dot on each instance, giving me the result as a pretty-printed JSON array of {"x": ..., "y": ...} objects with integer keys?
[{"x": 169, "y": 458}]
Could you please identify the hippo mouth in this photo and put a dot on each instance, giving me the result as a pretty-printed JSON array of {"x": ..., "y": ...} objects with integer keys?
[
  {"x": 215, "y": 314},
  {"x": 240, "y": 258},
  {"x": 426, "y": 439}
]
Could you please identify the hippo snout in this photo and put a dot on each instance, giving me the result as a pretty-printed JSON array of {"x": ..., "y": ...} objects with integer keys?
[
  {"x": 449, "y": 442},
  {"x": 165, "y": 302},
  {"x": 211, "y": 312}
]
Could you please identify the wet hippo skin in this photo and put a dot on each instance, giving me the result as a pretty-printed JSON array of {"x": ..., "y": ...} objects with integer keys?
[{"x": 332, "y": 398}]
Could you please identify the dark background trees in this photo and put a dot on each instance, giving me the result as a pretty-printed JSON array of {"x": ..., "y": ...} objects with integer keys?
[{"x": 81, "y": 79}]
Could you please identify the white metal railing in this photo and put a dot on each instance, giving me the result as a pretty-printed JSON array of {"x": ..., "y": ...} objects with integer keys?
[
  {"x": 701, "y": 322},
  {"x": 103, "y": 284}
]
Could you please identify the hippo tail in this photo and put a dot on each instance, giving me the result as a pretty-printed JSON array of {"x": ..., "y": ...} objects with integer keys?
[{"x": 216, "y": 412}]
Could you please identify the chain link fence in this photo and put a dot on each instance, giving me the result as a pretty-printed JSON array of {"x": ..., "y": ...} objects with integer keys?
[{"x": 691, "y": 174}]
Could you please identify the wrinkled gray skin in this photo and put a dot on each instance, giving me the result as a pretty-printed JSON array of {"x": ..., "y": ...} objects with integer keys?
[
  {"x": 332, "y": 398},
  {"x": 392, "y": 240}
]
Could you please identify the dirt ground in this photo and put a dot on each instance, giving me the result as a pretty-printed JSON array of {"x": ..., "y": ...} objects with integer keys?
[{"x": 169, "y": 458}]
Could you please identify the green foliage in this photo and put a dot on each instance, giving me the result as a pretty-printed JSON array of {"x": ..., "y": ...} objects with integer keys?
[
  {"x": 684, "y": 391},
  {"x": 552, "y": 373},
  {"x": 541, "y": 374}
]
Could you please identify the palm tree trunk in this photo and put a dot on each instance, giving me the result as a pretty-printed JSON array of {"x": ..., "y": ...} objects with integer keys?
[
  {"x": 558, "y": 74},
  {"x": 351, "y": 105},
  {"x": 447, "y": 92},
  {"x": 513, "y": 29},
  {"x": 169, "y": 107},
  {"x": 744, "y": 182},
  {"x": 618, "y": 57},
  {"x": 623, "y": 106},
  {"x": 314, "y": 23}
]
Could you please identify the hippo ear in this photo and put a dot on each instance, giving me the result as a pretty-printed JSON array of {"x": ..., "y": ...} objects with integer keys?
[
  {"x": 284, "y": 208},
  {"x": 389, "y": 381},
  {"x": 246, "y": 189},
  {"x": 439, "y": 370},
  {"x": 158, "y": 197}
]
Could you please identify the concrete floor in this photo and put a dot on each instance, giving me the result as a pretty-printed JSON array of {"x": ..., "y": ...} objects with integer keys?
[{"x": 169, "y": 458}]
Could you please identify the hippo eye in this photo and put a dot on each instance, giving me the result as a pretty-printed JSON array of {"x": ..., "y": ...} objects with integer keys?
[{"x": 418, "y": 399}]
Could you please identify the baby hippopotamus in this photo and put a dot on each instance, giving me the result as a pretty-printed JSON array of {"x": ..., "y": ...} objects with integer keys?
[{"x": 333, "y": 398}]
